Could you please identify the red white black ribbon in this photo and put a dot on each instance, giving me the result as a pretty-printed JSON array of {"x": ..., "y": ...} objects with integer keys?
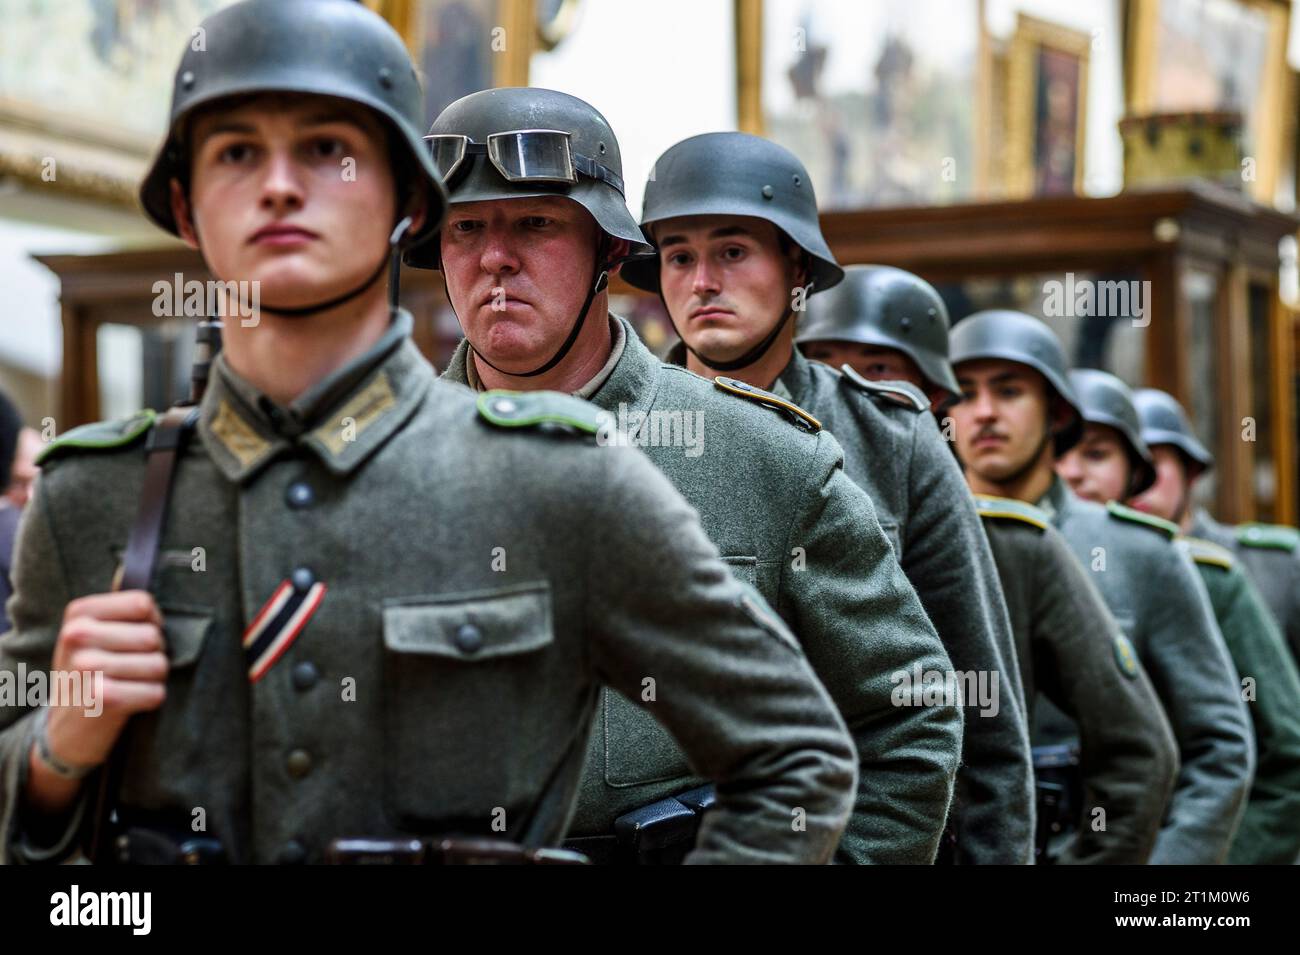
[{"x": 277, "y": 626}]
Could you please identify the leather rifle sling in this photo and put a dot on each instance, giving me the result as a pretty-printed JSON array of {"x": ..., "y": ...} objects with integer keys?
[{"x": 166, "y": 439}]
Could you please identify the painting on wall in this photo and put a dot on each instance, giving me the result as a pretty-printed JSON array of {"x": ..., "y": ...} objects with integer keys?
[
  {"x": 85, "y": 87},
  {"x": 462, "y": 46},
  {"x": 878, "y": 100},
  {"x": 1045, "y": 114}
]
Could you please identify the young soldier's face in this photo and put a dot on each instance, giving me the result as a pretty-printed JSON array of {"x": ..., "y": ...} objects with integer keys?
[
  {"x": 1166, "y": 498},
  {"x": 517, "y": 272},
  {"x": 725, "y": 279},
  {"x": 875, "y": 363},
  {"x": 1002, "y": 417},
  {"x": 1098, "y": 467},
  {"x": 295, "y": 192}
]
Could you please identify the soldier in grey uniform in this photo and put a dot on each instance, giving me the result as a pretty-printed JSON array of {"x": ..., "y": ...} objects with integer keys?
[
  {"x": 767, "y": 481},
  {"x": 1270, "y": 827},
  {"x": 1017, "y": 413},
  {"x": 886, "y": 323},
  {"x": 383, "y": 606},
  {"x": 734, "y": 218},
  {"x": 1271, "y": 552}
]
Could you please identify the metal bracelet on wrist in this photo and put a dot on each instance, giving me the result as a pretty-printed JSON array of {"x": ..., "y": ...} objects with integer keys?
[{"x": 46, "y": 755}]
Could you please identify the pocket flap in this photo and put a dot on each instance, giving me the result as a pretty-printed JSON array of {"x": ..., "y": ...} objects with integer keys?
[
  {"x": 743, "y": 568},
  {"x": 471, "y": 626},
  {"x": 185, "y": 629}
]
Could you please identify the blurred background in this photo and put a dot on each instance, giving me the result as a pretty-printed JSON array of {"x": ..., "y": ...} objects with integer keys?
[{"x": 993, "y": 146}]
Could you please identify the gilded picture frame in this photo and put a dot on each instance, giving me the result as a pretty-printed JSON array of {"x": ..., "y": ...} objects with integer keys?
[
  {"x": 1250, "y": 38},
  {"x": 1045, "y": 109}
]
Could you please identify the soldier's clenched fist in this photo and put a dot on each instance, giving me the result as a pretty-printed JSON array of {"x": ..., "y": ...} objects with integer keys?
[{"x": 113, "y": 642}]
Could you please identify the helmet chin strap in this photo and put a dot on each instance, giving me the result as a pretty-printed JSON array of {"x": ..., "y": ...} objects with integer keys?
[
  {"x": 751, "y": 356},
  {"x": 599, "y": 282},
  {"x": 391, "y": 259}
]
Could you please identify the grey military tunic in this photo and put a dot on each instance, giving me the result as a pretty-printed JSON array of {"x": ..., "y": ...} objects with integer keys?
[
  {"x": 1157, "y": 598},
  {"x": 480, "y": 582},
  {"x": 774, "y": 498},
  {"x": 893, "y": 449},
  {"x": 1271, "y": 553},
  {"x": 1270, "y": 827},
  {"x": 1072, "y": 652}
]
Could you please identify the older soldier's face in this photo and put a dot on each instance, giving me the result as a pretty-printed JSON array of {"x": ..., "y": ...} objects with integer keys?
[
  {"x": 1098, "y": 467},
  {"x": 725, "y": 279},
  {"x": 517, "y": 272},
  {"x": 1002, "y": 418},
  {"x": 294, "y": 192}
]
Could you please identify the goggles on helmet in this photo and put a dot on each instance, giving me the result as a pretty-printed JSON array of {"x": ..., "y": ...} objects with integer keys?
[{"x": 521, "y": 155}]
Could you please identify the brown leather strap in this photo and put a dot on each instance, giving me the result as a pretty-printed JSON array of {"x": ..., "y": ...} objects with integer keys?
[{"x": 165, "y": 441}]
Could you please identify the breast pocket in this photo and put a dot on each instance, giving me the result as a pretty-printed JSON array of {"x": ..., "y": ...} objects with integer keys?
[{"x": 464, "y": 682}]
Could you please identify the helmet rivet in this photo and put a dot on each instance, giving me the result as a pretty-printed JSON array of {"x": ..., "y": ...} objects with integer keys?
[
  {"x": 386, "y": 78},
  {"x": 905, "y": 322},
  {"x": 768, "y": 192},
  {"x": 601, "y": 148},
  {"x": 187, "y": 80},
  {"x": 797, "y": 182}
]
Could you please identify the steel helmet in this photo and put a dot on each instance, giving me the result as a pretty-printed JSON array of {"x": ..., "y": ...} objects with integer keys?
[
  {"x": 1015, "y": 336},
  {"x": 1104, "y": 399},
  {"x": 332, "y": 48},
  {"x": 881, "y": 305},
  {"x": 516, "y": 142},
  {"x": 1164, "y": 421}
]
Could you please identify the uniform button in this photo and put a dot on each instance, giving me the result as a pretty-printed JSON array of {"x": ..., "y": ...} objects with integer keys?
[
  {"x": 300, "y": 495},
  {"x": 299, "y": 763},
  {"x": 291, "y": 853},
  {"x": 505, "y": 406},
  {"x": 305, "y": 675},
  {"x": 469, "y": 638},
  {"x": 302, "y": 579}
]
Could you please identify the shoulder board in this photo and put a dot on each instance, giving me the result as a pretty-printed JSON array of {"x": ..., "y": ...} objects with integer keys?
[
  {"x": 1208, "y": 552},
  {"x": 990, "y": 507},
  {"x": 1119, "y": 511},
  {"x": 899, "y": 392},
  {"x": 789, "y": 409},
  {"x": 1268, "y": 536},
  {"x": 99, "y": 436},
  {"x": 544, "y": 410}
]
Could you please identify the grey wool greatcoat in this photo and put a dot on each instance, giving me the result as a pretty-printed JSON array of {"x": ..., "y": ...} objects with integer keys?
[
  {"x": 893, "y": 449},
  {"x": 1156, "y": 596},
  {"x": 479, "y": 580},
  {"x": 773, "y": 496}
]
